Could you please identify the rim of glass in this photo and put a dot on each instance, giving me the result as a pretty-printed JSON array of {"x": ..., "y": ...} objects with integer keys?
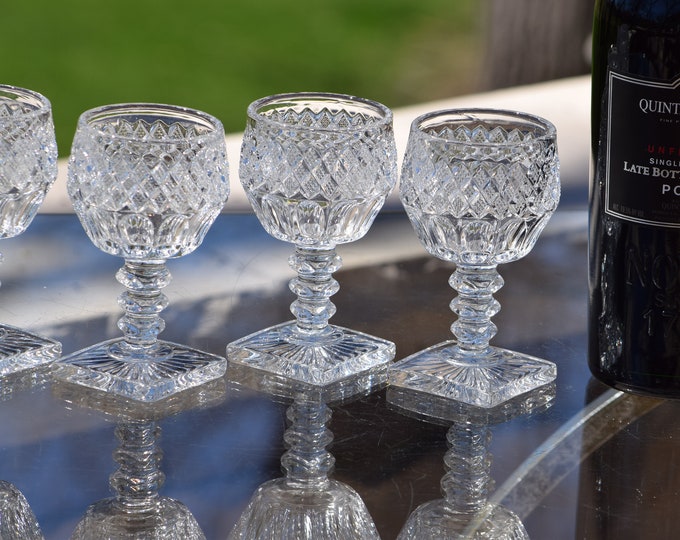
[
  {"x": 382, "y": 113},
  {"x": 544, "y": 129},
  {"x": 92, "y": 117},
  {"x": 23, "y": 95}
]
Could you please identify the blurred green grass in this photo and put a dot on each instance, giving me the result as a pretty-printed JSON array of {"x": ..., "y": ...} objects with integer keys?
[{"x": 218, "y": 56}]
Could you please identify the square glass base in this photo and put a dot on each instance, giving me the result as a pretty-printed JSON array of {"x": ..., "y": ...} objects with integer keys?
[
  {"x": 20, "y": 350},
  {"x": 144, "y": 378},
  {"x": 339, "y": 366},
  {"x": 484, "y": 382}
]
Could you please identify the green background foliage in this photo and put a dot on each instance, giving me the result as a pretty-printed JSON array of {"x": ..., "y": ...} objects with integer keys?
[{"x": 219, "y": 56}]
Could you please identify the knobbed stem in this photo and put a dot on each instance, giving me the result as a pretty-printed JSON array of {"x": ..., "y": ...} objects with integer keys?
[
  {"x": 143, "y": 302},
  {"x": 467, "y": 481},
  {"x": 138, "y": 478},
  {"x": 314, "y": 285},
  {"x": 307, "y": 462},
  {"x": 474, "y": 306}
]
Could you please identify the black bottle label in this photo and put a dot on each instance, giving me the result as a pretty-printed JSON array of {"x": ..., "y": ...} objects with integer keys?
[{"x": 643, "y": 150}]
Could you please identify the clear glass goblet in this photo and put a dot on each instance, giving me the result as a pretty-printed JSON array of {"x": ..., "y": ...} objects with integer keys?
[
  {"x": 28, "y": 167},
  {"x": 147, "y": 181},
  {"x": 479, "y": 187},
  {"x": 317, "y": 168}
]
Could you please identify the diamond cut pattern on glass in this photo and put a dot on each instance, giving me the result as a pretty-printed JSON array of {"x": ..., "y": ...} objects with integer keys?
[
  {"x": 317, "y": 169},
  {"x": 479, "y": 187},
  {"x": 28, "y": 167},
  {"x": 146, "y": 181},
  {"x": 480, "y": 190},
  {"x": 317, "y": 173},
  {"x": 28, "y": 160},
  {"x": 147, "y": 189}
]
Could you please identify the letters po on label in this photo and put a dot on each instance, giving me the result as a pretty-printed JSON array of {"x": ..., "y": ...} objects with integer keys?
[{"x": 666, "y": 189}]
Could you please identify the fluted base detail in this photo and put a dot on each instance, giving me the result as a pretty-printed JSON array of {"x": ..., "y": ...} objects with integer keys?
[
  {"x": 169, "y": 520},
  {"x": 17, "y": 518},
  {"x": 483, "y": 380},
  {"x": 279, "y": 511},
  {"x": 434, "y": 520},
  {"x": 142, "y": 378},
  {"x": 20, "y": 350},
  {"x": 343, "y": 357}
]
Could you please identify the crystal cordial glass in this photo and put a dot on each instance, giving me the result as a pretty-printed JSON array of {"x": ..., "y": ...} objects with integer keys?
[
  {"x": 28, "y": 167},
  {"x": 317, "y": 168},
  {"x": 479, "y": 187},
  {"x": 147, "y": 181}
]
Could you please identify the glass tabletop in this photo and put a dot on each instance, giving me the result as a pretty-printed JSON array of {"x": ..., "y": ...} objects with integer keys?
[{"x": 594, "y": 464}]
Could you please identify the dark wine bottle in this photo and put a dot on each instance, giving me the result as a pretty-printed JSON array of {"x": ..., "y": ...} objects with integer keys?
[{"x": 634, "y": 262}]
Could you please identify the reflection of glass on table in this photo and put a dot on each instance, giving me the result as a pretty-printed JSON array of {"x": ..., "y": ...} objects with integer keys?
[
  {"x": 465, "y": 511},
  {"x": 17, "y": 519},
  {"x": 137, "y": 511}
]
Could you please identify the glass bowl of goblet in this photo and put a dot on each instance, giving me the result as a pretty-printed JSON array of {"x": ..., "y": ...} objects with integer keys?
[
  {"x": 479, "y": 186},
  {"x": 147, "y": 181},
  {"x": 28, "y": 167},
  {"x": 317, "y": 168}
]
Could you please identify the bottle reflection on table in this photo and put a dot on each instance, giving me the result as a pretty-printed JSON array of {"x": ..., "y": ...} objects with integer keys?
[{"x": 628, "y": 485}]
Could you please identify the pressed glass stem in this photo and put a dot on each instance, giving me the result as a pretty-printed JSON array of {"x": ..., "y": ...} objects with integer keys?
[
  {"x": 467, "y": 481},
  {"x": 138, "y": 478},
  {"x": 474, "y": 305},
  {"x": 307, "y": 462},
  {"x": 314, "y": 285},
  {"x": 143, "y": 302}
]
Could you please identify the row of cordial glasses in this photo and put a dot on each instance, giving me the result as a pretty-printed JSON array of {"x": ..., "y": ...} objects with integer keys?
[{"x": 148, "y": 180}]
